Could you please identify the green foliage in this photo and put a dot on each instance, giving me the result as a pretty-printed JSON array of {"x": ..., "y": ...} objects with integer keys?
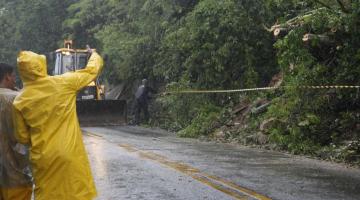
[
  {"x": 220, "y": 44},
  {"x": 311, "y": 118},
  {"x": 203, "y": 123},
  {"x": 31, "y": 25},
  {"x": 181, "y": 109},
  {"x": 7, "y": 39},
  {"x": 209, "y": 44}
]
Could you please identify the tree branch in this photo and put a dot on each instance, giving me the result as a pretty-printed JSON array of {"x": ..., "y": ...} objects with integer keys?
[
  {"x": 323, "y": 4},
  {"x": 342, "y": 6}
]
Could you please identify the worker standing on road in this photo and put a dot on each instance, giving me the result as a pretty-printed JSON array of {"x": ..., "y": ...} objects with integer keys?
[
  {"x": 15, "y": 178},
  {"x": 45, "y": 117},
  {"x": 142, "y": 101}
]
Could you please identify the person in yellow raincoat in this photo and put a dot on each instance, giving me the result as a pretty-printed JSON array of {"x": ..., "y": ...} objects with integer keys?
[
  {"x": 45, "y": 118},
  {"x": 15, "y": 177}
]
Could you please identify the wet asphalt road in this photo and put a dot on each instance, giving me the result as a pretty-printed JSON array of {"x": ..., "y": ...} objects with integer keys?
[{"x": 137, "y": 163}]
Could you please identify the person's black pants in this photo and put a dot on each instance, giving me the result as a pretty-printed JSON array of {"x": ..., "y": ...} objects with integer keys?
[{"x": 141, "y": 107}]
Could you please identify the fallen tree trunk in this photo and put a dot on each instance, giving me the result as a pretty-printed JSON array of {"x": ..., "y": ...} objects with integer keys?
[
  {"x": 313, "y": 37},
  {"x": 280, "y": 32}
]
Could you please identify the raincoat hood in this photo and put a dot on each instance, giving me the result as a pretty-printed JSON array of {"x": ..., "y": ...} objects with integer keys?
[{"x": 31, "y": 66}]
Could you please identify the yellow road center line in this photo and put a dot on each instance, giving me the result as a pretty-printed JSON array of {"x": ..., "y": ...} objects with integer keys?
[
  {"x": 217, "y": 183},
  {"x": 245, "y": 190},
  {"x": 92, "y": 134},
  {"x": 199, "y": 176},
  {"x": 231, "y": 193},
  {"x": 128, "y": 148}
]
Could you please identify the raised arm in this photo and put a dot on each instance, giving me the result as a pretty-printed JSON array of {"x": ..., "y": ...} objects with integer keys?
[{"x": 81, "y": 78}]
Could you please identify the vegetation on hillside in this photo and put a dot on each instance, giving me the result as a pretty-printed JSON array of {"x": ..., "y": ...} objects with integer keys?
[{"x": 209, "y": 44}]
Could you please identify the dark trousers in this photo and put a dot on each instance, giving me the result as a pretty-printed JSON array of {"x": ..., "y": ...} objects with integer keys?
[{"x": 141, "y": 107}]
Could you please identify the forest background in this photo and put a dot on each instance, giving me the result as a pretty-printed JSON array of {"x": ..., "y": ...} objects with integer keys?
[{"x": 211, "y": 44}]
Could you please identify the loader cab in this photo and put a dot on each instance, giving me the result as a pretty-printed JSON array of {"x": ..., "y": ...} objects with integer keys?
[{"x": 70, "y": 60}]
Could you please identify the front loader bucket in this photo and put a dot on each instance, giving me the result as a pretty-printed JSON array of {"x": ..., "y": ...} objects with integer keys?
[{"x": 101, "y": 112}]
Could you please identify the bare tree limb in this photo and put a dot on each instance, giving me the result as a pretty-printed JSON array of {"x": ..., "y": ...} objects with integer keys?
[{"x": 267, "y": 28}]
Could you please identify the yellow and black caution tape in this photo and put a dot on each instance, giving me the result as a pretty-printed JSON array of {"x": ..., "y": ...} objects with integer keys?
[
  {"x": 262, "y": 89},
  {"x": 330, "y": 87}
]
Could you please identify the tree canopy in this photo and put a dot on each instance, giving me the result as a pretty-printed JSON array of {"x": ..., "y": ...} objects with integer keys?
[{"x": 209, "y": 44}]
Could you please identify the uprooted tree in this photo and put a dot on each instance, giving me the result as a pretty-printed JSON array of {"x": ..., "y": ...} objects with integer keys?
[{"x": 319, "y": 47}]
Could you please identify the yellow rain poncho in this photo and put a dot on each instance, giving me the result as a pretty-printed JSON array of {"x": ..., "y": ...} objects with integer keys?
[{"x": 45, "y": 117}]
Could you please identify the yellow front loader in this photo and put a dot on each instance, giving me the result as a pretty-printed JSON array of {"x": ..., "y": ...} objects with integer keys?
[{"x": 93, "y": 108}]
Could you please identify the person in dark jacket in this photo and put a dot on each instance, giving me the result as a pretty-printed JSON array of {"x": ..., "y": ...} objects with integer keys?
[
  {"x": 142, "y": 101},
  {"x": 15, "y": 175}
]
